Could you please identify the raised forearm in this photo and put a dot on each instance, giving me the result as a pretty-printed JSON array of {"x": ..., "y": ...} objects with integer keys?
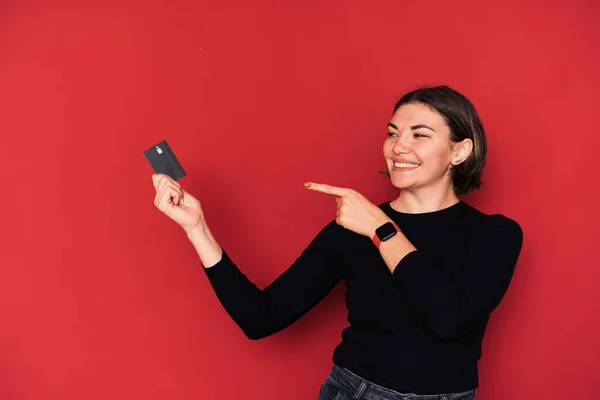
[{"x": 209, "y": 251}]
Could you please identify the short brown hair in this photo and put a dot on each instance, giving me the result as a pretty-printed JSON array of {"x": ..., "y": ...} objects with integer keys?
[{"x": 462, "y": 119}]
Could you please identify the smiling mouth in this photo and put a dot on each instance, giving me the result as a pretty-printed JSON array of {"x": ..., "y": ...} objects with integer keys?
[{"x": 404, "y": 165}]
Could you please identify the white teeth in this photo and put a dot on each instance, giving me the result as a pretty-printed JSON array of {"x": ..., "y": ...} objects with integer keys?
[{"x": 405, "y": 165}]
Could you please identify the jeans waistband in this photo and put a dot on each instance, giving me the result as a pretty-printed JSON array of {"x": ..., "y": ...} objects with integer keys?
[{"x": 361, "y": 388}]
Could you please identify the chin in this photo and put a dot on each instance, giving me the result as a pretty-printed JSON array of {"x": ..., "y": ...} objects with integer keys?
[{"x": 401, "y": 183}]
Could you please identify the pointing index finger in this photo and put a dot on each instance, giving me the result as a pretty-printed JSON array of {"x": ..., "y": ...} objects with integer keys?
[{"x": 320, "y": 187}]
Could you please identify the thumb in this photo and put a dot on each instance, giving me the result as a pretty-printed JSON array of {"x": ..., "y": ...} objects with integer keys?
[{"x": 155, "y": 179}]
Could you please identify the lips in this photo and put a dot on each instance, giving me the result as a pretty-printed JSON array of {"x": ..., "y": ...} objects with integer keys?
[{"x": 406, "y": 165}]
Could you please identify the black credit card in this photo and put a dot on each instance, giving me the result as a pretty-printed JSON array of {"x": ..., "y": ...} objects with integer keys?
[{"x": 163, "y": 161}]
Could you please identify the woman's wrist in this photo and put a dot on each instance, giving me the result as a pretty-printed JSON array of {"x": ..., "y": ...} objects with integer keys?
[
  {"x": 206, "y": 246},
  {"x": 199, "y": 229}
]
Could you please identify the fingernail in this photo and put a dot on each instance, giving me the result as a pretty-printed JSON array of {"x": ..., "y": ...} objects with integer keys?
[{"x": 307, "y": 184}]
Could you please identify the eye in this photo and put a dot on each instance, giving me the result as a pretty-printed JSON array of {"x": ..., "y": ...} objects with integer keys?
[
  {"x": 419, "y": 135},
  {"x": 391, "y": 134}
]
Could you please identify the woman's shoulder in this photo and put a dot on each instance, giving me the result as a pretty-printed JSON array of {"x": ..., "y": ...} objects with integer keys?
[{"x": 492, "y": 222}]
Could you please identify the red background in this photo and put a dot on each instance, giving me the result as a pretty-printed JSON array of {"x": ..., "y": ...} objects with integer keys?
[{"x": 103, "y": 297}]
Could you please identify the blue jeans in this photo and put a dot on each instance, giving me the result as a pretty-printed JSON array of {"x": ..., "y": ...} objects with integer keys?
[{"x": 342, "y": 384}]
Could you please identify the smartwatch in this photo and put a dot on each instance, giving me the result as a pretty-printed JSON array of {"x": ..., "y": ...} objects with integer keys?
[{"x": 385, "y": 232}]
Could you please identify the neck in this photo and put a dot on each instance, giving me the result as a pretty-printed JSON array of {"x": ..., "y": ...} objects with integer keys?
[{"x": 422, "y": 200}]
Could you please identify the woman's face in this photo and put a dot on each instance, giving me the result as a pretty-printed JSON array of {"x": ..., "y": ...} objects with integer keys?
[{"x": 418, "y": 151}]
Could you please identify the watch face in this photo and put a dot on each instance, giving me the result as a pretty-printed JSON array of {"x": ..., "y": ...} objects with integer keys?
[{"x": 386, "y": 231}]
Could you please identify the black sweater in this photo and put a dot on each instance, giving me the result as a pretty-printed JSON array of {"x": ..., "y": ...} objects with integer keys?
[{"x": 418, "y": 330}]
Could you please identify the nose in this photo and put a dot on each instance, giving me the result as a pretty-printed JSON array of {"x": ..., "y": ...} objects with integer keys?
[{"x": 401, "y": 147}]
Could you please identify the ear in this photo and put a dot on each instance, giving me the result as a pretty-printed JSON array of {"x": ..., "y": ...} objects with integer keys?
[{"x": 462, "y": 151}]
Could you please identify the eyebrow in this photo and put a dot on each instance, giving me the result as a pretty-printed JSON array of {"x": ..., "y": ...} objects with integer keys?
[{"x": 414, "y": 127}]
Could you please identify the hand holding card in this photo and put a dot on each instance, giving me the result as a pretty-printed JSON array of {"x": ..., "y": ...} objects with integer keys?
[
  {"x": 170, "y": 198},
  {"x": 176, "y": 203}
]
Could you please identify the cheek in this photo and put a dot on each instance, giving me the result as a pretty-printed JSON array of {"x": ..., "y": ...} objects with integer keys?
[
  {"x": 434, "y": 156},
  {"x": 387, "y": 147}
]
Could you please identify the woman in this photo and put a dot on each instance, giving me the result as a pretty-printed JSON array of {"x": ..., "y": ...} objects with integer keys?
[{"x": 422, "y": 272}]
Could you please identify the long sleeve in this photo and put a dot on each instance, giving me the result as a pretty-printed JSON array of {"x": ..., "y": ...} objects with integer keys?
[
  {"x": 451, "y": 308},
  {"x": 260, "y": 313}
]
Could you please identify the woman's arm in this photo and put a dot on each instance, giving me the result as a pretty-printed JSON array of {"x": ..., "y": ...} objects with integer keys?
[
  {"x": 448, "y": 309},
  {"x": 260, "y": 313},
  {"x": 206, "y": 246}
]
